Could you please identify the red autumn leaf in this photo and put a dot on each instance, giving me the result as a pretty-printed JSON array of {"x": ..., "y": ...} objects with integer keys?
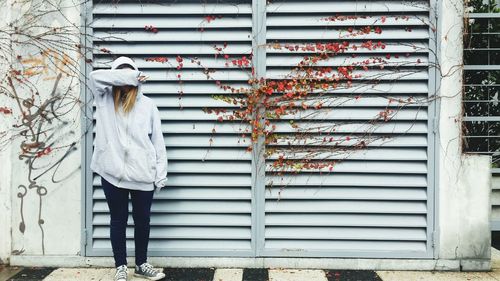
[
  {"x": 5, "y": 110},
  {"x": 281, "y": 86}
]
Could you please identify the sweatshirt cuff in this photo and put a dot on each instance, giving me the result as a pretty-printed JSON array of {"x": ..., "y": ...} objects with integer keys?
[{"x": 162, "y": 182}]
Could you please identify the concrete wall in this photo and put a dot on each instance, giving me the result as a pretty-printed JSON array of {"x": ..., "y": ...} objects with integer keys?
[
  {"x": 52, "y": 222},
  {"x": 462, "y": 181},
  {"x": 5, "y": 153}
]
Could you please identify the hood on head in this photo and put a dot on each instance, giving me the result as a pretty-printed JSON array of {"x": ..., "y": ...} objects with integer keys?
[
  {"x": 126, "y": 60},
  {"x": 123, "y": 60}
]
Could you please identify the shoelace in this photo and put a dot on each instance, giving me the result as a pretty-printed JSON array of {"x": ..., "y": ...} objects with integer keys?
[
  {"x": 148, "y": 268},
  {"x": 121, "y": 272}
]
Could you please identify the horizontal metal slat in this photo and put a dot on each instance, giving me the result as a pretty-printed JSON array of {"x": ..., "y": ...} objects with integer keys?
[
  {"x": 358, "y": 167},
  {"x": 336, "y": 101},
  {"x": 342, "y": 179},
  {"x": 171, "y": 9},
  {"x": 206, "y": 141},
  {"x": 184, "y": 219},
  {"x": 210, "y": 167},
  {"x": 390, "y": 48},
  {"x": 183, "y": 245},
  {"x": 345, "y": 233},
  {"x": 209, "y": 180},
  {"x": 303, "y": 20},
  {"x": 188, "y": 75},
  {"x": 403, "y": 61},
  {"x": 327, "y": 101},
  {"x": 370, "y": 153},
  {"x": 201, "y": 127},
  {"x": 308, "y": 114},
  {"x": 350, "y": 206},
  {"x": 232, "y": 141},
  {"x": 154, "y": 62},
  {"x": 192, "y": 206},
  {"x": 170, "y": 36},
  {"x": 118, "y": 22},
  {"x": 388, "y": 33},
  {"x": 391, "y": 75},
  {"x": 495, "y": 198},
  {"x": 341, "y": 140},
  {"x": 212, "y": 153},
  {"x": 194, "y": 193},
  {"x": 337, "y": 140},
  {"x": 184, "y": 232},
  {"x": 232, "y": 154},
  {"x": 416, "y": 127},
  {"x": 358, "y": 220},
  {"x": 298, "y": 246},
  {"x": 166, "y": 49},
  {"x": 337, "y": 7},
  {"x": 347, "y": 193},
  {"x": 205, "y": 87}
]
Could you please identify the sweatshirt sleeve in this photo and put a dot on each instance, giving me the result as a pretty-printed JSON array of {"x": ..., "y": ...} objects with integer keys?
[
  {"x": 102, "y": 80},
  {"x": 161, "y": 152}
]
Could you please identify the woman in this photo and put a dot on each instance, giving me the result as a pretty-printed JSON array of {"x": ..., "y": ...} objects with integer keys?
[{"x": 130, "y": 157}]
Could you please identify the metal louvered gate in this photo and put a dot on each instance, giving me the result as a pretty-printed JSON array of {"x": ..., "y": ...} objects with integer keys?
[{"x": 378, "y": 202}]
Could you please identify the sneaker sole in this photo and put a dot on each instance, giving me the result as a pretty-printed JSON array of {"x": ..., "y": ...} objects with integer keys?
[{"x": 162, "y": 275}]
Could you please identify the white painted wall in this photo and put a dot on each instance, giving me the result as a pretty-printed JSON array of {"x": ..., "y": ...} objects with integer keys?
[
  {"x": 5, "y": 157},
  {"x": 61, "y": 207}
]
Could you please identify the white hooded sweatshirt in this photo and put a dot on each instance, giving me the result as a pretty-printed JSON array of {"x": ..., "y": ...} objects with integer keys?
[{"x": 129, "y": 149}]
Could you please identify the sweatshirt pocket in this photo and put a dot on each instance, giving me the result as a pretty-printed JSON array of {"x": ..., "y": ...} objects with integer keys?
[
  {"x": 110, "y": 160},
  {"x": 140, "y": 165}
]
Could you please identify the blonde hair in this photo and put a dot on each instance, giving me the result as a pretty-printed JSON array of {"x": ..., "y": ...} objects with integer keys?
[{"x": 127, "y": 100}]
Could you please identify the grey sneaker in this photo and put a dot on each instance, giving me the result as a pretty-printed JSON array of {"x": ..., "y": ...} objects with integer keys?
[
  {"x": 146, "y": 270},
  {"x": 121, "y": 273}
]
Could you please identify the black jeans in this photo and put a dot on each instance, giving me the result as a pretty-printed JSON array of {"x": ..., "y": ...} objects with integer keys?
[{"x": 117, "y": 199}]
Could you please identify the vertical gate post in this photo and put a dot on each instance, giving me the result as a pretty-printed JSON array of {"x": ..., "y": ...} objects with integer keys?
[{"x": 258, "y": 161}]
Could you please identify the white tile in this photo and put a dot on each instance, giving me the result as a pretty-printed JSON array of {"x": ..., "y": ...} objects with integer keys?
[
  {"x": 228, "y": 274},
  {"x": 81, "y": 274},
  {"x": 434, "y": 276},
  {"x": 296, "y": 275}
]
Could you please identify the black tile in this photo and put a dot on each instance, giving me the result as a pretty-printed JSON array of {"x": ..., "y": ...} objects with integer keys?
[
  {"x": 255, "y": 274},
  {"x": 352, "y": 275},
  {"x": 188, "y": 274},
  {"x": 495, "y": 239},
  {"x": 32, "y": 274}
]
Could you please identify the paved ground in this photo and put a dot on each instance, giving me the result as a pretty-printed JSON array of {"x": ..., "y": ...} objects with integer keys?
[{"x": 248, "y": 274}]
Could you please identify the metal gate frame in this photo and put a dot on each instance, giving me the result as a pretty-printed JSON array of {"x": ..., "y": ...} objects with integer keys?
[{"x": 258, "y": 175}]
